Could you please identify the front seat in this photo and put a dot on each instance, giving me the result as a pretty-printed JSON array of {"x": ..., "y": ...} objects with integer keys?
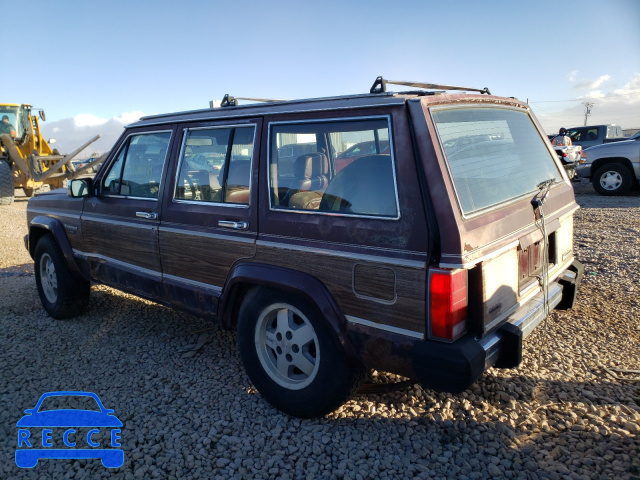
[
  {"x": 365, "y": 187},
  {"x": 311, "y": 174}
]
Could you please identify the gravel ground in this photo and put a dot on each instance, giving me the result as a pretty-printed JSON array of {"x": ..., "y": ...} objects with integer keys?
[{"x": 186, "y": 415}]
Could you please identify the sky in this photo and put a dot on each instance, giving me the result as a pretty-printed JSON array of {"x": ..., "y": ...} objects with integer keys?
[{"x": 95, "y": 66}]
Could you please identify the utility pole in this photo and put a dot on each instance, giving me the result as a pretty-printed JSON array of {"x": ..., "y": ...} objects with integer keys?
[{"x": 587, "y": 111}]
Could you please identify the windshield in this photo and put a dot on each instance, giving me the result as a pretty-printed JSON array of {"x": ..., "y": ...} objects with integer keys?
[
  {"x": 493, "y": 154},
  {"x": 11, "y": 122}
]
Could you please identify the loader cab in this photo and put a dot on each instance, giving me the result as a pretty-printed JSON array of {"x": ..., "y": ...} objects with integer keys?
[{"x": 18, "y": 117}]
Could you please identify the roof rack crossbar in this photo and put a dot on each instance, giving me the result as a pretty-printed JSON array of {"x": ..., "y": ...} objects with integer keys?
[
  {"x": 229, "y": 101},
  {"x": 380, "y": 86}
]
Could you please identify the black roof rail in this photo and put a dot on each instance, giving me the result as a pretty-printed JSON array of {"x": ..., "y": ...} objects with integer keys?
[
  {"x": 380, "y": 86},
  {"x": 229, "y": 101}
]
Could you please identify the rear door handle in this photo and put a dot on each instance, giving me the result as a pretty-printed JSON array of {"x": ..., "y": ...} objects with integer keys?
[
  {"x": 147, "y": 215},
  {"x": 233, "y": 225}
]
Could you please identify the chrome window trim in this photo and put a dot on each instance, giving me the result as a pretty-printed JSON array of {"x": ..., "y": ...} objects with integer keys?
[
  {"x": 261, "y": 111},
  {"x": 195, "y": 283},
  {"x": 183, "y": 147},
  {"x": 103, "y": 218},
  {"x": 386, "y": 117},
  {"x": 131, "y": 266},
  {"x": 122, "y": 145},
  {"x": 214, "y": 236},
  {"x": 386, "y": 328},
  {"x": 376, "y": 259},
  {"x": 53, "y": 211},
  {"x": 511, "y": 201}
]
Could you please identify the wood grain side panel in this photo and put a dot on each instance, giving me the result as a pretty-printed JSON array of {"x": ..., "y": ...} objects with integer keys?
[
  {"x": 204, "y": 259},
  {"x": 336, "y": 273},
  {"x": 134, "y": 243}
]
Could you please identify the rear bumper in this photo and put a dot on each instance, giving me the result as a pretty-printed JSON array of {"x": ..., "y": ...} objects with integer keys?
[{"x": 453, "y": 367}]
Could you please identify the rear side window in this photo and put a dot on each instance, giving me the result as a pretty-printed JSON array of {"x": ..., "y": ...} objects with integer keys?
[
  {"x": 215, "y": 165},
  {"x": 137, "y": 170},
  {"x": 340, "y": 167},
  {"x": 494, "y": 155}
]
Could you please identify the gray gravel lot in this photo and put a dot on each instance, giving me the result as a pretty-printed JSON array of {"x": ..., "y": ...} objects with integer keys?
[{"x": 576, "y": 415}]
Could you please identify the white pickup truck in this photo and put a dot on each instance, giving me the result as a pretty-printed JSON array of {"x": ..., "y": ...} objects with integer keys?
[
  {"x": 569, "y": 155},
  {"x": 613, "y": 168}
]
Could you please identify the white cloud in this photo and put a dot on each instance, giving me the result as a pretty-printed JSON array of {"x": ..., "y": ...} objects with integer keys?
[
  {"x": 88, "y": 120},
  {"x": 572, "y": 76},
  {"x": 591, "y": 84},
  {"x": 70, "y": 133},
  {"x": 620, "y": 106},
  {"x": 593, "y": 95}
]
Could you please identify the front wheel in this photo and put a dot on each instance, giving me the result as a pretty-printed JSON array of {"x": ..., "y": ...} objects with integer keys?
[
  {"x": 7, "y": 190},
  {"x": 612, "y": 179},
  {"x": 290, "y": 355},
  {"x": 62, "y": 295}
]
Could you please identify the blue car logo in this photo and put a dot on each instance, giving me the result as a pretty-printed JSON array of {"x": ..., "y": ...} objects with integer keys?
[{"x": 52, "y": 415}]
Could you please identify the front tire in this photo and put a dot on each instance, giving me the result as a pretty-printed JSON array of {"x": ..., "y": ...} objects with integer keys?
[
  {"x": 290, "y": 356},
  {"x": 612, "y": 179},
  {"x": 62, "y": 295},
  {"x": 7, "y": 190}
]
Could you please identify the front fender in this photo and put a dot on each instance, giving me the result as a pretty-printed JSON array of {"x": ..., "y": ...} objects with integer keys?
[
  {"x": 41, "y": 225},
  {"x": 303, "y": 285}
]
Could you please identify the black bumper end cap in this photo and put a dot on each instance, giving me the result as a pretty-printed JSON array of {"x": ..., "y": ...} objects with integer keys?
[
  {"x": 511, "y": 346},
  {"x": 448, "y": 367},
  {"x": 570, "y": 283}
]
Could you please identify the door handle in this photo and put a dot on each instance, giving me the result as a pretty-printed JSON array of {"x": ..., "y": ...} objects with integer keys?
[
  {"x": 147, "y": 215},
  {"x": 234, "y": 225}
]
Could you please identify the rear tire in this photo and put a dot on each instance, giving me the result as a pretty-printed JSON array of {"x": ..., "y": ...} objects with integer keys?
[
  {"x": 612, "y": 179},
  {"x": 290, "y": 356},
  {"x": 7, "y": 191},
  {"x": 62, "y": 295}
]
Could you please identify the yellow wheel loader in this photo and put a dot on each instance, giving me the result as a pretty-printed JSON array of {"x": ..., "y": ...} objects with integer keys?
[{"x": 26, "y": 159}]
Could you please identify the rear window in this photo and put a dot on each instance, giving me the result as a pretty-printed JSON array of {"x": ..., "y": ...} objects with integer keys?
[{"x": 494, "y": 155}]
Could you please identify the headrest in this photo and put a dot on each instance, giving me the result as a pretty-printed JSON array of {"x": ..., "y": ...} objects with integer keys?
[{"x": 311, "y": 165}]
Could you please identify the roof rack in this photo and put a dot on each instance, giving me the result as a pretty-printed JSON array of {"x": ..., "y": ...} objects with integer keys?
[
  {"x": 380, "y": 86},
  {"x": 229, "y": 101}
]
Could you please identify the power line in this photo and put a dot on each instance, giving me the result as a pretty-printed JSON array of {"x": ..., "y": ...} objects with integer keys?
[{"x": 608, "y": 95}]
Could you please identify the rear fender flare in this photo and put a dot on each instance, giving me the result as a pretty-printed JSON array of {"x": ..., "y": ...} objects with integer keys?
[
  {"x": 42, "y": 225},
  {"x": 248, "y": 275}
]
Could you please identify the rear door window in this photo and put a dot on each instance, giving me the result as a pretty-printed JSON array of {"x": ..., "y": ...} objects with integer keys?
[
  {"x": 494, "y": 155},
  {"x": 341, "y": 167},
  {"x": 215, "y": 165}
]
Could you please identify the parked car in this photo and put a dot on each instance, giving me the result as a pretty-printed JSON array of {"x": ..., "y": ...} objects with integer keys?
[
  {"x": 361, "y": 149},
  {"x": 423, "y": 259},
  {"x": 569, "y": 155},
  {"x": 612, "y": 168},
  {"x": 591, "y": 135}
]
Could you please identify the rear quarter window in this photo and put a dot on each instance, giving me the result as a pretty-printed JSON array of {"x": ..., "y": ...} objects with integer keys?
[{"x": 493, "y": 155}]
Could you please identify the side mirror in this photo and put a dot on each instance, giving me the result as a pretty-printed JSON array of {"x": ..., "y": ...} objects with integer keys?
[
  {"x": 42, "y": 115},
  {"x": 80, "y": 187}
]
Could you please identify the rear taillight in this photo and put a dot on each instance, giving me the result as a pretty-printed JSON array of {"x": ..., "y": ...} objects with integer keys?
[
  {"x": 565, "y": 154},
  {"x": 448, "y": 299},
  {"x": 583, "y": 157}
]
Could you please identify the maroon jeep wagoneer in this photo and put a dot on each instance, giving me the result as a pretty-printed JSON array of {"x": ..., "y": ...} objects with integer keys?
[{"x": 433, "y": 255}]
